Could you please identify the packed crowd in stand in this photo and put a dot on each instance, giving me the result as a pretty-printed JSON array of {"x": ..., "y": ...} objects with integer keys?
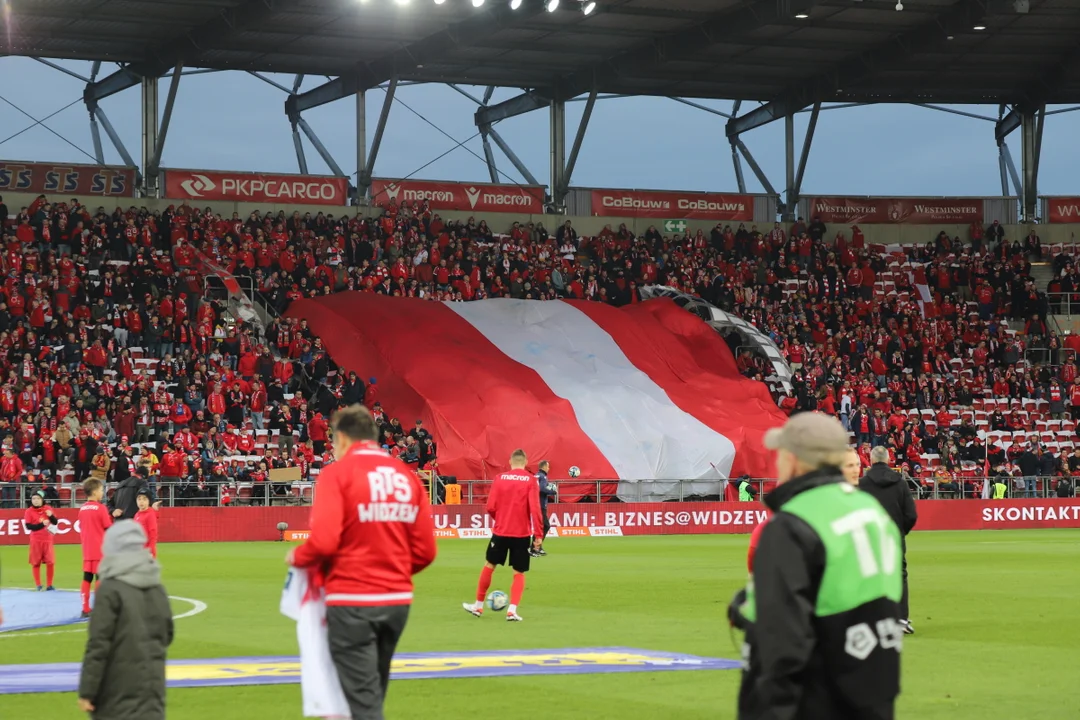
[{"x": 114, "y": 360}]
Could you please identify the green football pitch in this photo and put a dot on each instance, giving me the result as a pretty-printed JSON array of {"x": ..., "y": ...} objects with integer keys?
[{"x": 995, "y": 614}]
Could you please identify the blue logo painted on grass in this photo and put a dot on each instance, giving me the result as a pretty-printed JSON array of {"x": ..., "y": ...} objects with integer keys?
[
  {"x": 31, "y": 610},
  {"x": 64, "y": 677}
]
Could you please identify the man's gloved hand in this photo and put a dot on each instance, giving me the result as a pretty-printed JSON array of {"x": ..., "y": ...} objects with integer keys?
[{"x": 734, "y": 611}]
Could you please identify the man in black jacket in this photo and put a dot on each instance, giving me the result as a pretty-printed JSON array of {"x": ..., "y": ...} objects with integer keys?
[
  {"x": 821, "y": 610},
  {"x": 123, "y": 504},
  {"x": 1028, "y": 462},
  {"x": 890, "y": 489},
  {"x": 547, "y": 492}
]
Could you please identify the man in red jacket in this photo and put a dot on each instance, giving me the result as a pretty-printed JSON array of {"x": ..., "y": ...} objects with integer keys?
[
  {"x": 11, "y": 470},
  {"x": 371, "y": 531},
  {"x": 514, "y": 505}
]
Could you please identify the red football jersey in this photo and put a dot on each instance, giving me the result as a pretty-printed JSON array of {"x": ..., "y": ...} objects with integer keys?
[
  {"x": 371, "y": 529},
  {"x": 94, "y": 520},
  {"x": 514, "y": 505},
  {"x": 148, "y": 519},
  {"x": 36, "y": 516}
]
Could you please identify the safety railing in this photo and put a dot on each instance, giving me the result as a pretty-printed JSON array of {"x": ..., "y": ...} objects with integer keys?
[
  {"x": 1061, "y": 303},
  {"x": 172, "y": 493},
  {"x": 239, "y": 493},
  {"x": 1052, "y": 358}
]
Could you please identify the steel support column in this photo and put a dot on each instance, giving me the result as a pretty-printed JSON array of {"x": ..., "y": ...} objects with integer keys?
[
  {"x": 1030, "y": 142},
  {"x": 95, "y": 134},
  {"x": 737, "y": 164},
  {"x": 510, "y": 155},
  {"x": 149, "y": 106},
  {"x": 1003, "y": 170},
  {"x": 735, "y": 161},
  {"x": 754, "y": 167},
  {"x": 579, "y": 138},
  {"x": 361, "y": 142},
  {"x": 1012, "y": 169},
  {"x": 805, "y": 155},
  {"x": 489, "y": 157},
  {"x": 151, "y": 174},
  {"x": 558, "y": 152},
  {"x": 298, "y": 144},
  {"x": 363, "y": 181},
  {"x": 789, "y": 168},
  {"x": 319, "y": 147},
  {"x": 116, "y": 141}
]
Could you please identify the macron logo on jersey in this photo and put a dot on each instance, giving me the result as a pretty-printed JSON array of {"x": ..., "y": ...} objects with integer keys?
[{"x": 516, "y": 477}]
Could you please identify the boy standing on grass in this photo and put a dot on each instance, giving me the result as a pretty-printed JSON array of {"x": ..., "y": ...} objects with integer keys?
[
  {"x": 123, "y": 669},
  {"x": 147, "y": 518},
  {"x": 94, "y": 520},
  {"x": 41, "y": 523}
]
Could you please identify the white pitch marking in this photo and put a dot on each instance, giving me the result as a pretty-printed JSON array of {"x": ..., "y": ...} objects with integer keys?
[{"x": 197, "y": 606}]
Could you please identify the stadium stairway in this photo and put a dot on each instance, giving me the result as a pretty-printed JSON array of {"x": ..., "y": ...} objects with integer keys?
[{"x": 1042, "y": 272}]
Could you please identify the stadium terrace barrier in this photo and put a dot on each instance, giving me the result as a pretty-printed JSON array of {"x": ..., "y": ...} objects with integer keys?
[
  {"x": 579, "y": 216},
  {"x": 567, "y": 520}
]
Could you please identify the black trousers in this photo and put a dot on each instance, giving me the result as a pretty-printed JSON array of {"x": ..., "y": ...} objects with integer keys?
[
  {"x": 904, "y": 610},
  {"x": 362, "y": 643}
]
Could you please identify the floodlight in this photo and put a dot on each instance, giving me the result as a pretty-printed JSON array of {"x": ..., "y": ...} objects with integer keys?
[
  {"x": 477, "y": 3},
  {"x": 588, "y": 7},
  {"x": 515, "y": 4},
  {"x": 552, "y": 5}
]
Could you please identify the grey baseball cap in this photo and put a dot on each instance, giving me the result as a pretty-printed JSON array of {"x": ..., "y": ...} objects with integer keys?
[{"x": 812, "y": 437}]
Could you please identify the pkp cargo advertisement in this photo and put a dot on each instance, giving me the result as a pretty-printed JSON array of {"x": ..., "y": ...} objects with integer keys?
[{"x": 196, "y": 186}]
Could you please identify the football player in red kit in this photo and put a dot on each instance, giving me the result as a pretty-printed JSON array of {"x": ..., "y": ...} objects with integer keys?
[
  {"x": 94, "y": 520},
  {"x": 39, "y": 518},
  {"x": 514, "y": 505}
]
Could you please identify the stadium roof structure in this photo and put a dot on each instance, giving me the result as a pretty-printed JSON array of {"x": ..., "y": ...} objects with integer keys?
[{"x": 784, "y": 55}]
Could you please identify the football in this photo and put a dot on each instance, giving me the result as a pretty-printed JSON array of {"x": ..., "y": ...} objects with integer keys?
[
  {"x": 574, "y": 471},
  {"x": 497, "y": 600}
]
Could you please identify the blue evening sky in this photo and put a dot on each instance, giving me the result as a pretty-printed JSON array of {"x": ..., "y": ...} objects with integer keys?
[{"x": 234, "y": 121}]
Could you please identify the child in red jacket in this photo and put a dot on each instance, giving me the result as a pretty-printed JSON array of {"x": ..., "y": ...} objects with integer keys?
[{"x": 147, "y": 517}]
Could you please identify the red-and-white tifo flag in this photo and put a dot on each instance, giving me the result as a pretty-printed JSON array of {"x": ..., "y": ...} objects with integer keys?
[
  {"x": 643, "y": 392},
  {"x": 922, "y": 292}
]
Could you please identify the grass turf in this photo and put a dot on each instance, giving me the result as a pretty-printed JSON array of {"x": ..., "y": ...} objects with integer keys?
[{"x": 993, "y": 610}]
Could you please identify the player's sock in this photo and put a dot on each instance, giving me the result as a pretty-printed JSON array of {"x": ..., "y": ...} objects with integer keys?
[
  {"x": 517, "y": 588},
  {"x": 483, "y": 585},
  {"x": 85, "y": 592},
  {"x": 512, "y": 610},
  {"x": 37, "y": 575},
  {"x": 50, "y": 570}
]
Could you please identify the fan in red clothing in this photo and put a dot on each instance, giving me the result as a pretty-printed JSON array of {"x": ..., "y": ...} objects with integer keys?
[
  {"x": 371, "y": 531},
  {"x": 41, "y": 523},
  {"x": 514, "y": 505}
]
